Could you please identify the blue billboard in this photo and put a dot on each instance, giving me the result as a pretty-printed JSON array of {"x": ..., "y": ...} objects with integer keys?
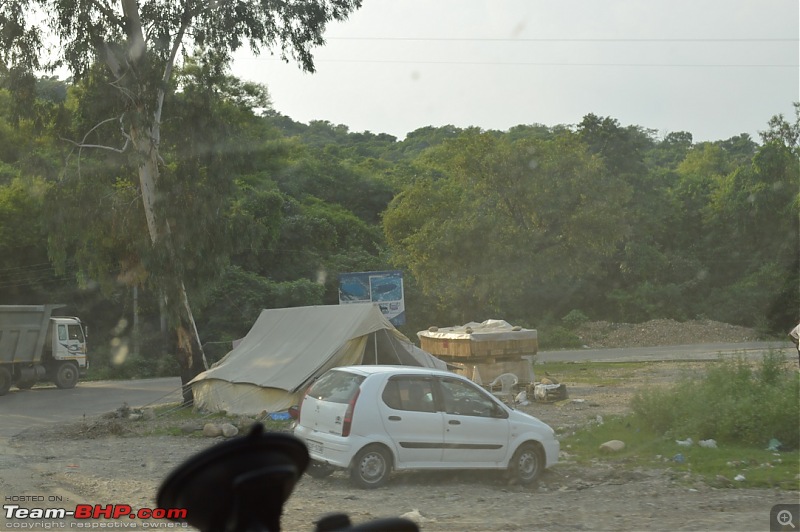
[{"x": 383, "y": 288}]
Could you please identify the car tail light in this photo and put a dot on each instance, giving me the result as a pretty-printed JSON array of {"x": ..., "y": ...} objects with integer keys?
[
  {"x": 348, "y": 415},
  {"x": 294, "y": 412}
]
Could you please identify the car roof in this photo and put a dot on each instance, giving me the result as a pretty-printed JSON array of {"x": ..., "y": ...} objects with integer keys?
[{"x": 386, "y": 369}]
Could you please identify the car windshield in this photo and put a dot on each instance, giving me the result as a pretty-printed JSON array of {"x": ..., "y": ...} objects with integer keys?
[
  {"x": 583, "y": 211},
  {"x": 336, "y": 387}
]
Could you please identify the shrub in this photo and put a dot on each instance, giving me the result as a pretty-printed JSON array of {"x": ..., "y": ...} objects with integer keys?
[
  {"x": 574, "y": 319},
  {"x": 557, "y": 337},
  {"x": 732, "y": 402}
]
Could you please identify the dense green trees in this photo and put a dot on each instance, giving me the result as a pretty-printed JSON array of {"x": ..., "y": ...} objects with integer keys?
[
  {"x": 494, "y": 221},
  {"x": 525, "y": 225},
  {"x": 139, "y": 45}
]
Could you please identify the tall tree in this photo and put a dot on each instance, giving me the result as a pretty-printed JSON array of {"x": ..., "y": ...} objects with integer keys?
[
  {"x": 490, "y": 221},
  {"x": 140, "y": 43}
]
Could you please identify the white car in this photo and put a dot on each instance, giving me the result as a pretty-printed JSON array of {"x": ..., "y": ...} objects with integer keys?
[{"x": 373, "y": 419}]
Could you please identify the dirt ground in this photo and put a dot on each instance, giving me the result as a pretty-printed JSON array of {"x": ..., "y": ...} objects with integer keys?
[{"x": 108, "y": 461}]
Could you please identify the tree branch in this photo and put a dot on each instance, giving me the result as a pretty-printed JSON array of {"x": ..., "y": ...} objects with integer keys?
[
  {"x": 109, "y": 13},
  {"x": 188, "y": 15},
  {"x": 133, "y": 30},
  {"x": 83, "y": 144}
]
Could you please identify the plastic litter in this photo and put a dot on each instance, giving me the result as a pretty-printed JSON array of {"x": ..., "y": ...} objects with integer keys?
[
  {"x": 774, "y": 445},
  {"x": 685, "y": 443},
  {"x": 679, "y": 458},
  {"x": 708, "y": 444},
  {"x": 739, "y": 478},
  {"x": 279, "y": 416}
]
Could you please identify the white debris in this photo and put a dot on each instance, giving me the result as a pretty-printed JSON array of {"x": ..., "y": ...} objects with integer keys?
[
  {"x": 417, "y": 517},
  {"x": 708, "y": 444},
  {"x": 685, "y": 443},
  {"x": 739, "y": 478}
]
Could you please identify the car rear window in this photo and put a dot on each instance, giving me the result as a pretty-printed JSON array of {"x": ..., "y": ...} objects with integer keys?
[{"x": 336, "y": 387}]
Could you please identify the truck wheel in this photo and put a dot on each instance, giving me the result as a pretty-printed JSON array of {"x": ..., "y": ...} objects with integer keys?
[
  {"x": 5, "y": 381},
  {"x": 66, "y": 376}
]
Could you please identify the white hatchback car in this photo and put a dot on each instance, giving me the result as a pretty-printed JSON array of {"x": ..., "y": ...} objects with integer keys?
[{"x": 372, "y": 419}]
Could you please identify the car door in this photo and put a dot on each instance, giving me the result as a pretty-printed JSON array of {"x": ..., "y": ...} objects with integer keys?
[
  {"x": 412, "y": 421},
  {"x": 476, "y": 427}
]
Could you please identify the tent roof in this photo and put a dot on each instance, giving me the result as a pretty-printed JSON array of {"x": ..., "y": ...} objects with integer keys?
[{"x": 285, "y": 347}]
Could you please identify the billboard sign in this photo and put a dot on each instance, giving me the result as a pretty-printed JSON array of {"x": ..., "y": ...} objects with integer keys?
[{"x": 383, "y": 288}]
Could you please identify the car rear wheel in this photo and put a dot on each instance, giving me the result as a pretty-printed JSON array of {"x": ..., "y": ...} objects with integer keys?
[
  {"x": 527, "y": 464},
  {"x": 318, "y": 469},
  {"x": 371, "y": 467}
]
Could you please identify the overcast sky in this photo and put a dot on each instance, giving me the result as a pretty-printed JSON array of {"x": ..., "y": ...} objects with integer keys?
[{"x": 714, "y": 68}]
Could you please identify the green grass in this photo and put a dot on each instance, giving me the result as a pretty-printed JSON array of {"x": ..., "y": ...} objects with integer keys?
[
  {"x": 733, "y": 401},
  {"x": 740, "y": 404},
  {"x": 646, "y": 449},
  {"x": 590, "y": 373}
]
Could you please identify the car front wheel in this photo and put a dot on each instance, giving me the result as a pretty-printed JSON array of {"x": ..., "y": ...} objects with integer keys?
[
  {"x": 527, "y": 464},
  {"x": 371, "y": 467}
]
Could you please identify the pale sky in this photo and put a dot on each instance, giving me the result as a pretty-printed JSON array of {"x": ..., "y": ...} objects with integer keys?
[{"x": 714, "y": 68}]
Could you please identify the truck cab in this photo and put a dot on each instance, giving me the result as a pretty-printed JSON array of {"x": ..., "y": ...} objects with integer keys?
[{"x": 68, "y": 342}]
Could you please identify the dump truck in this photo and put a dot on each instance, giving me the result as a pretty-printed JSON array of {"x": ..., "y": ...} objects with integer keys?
[{"x": 37, "y": 346}]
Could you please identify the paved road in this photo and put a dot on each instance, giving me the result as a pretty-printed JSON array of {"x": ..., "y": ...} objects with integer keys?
[
  {"x": 679, "y": 352},
  {"x": 21, "y": 409}
]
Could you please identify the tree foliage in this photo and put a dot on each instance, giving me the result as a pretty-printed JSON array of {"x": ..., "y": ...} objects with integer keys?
[
  {"x": 140, "y": 44},
  {"x": 496, "y": 219},
  {"x": 536, "y": 225}
]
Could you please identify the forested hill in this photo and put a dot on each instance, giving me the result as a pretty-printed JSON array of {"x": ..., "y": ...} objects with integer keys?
[{"x": 596, "y": 220}]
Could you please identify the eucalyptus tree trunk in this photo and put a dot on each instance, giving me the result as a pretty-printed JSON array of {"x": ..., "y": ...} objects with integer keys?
[
  {"x": 185, "y": 341},
  {"x": 144, "y": 134}
]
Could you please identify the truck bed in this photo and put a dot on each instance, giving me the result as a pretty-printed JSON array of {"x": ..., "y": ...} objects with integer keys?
[{"x": 23, "y": 331}]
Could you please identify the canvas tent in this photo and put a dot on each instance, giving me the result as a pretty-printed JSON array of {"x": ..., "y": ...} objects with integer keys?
[{"x": 286, "y": 349}]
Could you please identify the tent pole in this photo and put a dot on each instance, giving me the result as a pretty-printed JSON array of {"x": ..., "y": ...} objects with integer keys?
[{"x": 375, "y": 345}]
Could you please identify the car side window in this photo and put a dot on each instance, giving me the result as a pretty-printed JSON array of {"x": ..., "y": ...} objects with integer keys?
[
  {"x": 462, "y": 399},
  {"x": 411, "y": 394}
]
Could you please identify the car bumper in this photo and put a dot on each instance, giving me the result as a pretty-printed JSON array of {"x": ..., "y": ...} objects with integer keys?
[
  {"x": 551, "y": 451},
  {"x": 331, "y": 450}
]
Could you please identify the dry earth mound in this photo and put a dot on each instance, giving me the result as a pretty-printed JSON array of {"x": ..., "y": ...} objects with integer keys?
[{"x": 599, "y": 334}]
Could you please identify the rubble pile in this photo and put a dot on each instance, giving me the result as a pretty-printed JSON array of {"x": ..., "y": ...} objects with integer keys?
[{"x": 599, "y": 334}]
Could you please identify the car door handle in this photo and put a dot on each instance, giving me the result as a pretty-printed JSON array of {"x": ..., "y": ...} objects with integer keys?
[
  {"x": 395, "y": 418},
  {"x": 454, "y": 422}
]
